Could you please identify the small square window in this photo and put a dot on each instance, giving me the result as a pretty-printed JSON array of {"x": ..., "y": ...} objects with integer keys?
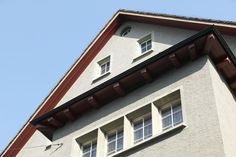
[{"x": 146, "y": 46}]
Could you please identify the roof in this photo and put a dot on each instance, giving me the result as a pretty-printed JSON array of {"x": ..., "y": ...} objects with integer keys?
[{"x": 45, "y": 110}]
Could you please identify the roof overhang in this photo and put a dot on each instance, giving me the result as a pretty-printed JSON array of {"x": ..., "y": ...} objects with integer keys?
[{"x": 207, "y": 42}]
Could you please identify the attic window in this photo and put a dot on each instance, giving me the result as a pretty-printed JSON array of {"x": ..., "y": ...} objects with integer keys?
[
  {"x": 125, "y": 31},
  {"x": 104, "y": 65},
  {"x": 145, "y": 43}
]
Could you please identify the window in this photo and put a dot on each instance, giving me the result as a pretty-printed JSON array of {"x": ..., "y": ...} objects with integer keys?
[
  {"x": 146, "y": 45},
  {"x": 89, "y": 150},
  {"x": 114, "y": 142},
  {"x": 171, "y": 116},
  {"x": 142, "y": 129},
  {"x": 105, "y": 67},
  {"x": 125, "y": 31}
]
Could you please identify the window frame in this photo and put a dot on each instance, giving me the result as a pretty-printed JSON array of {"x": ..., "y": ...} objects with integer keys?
[
  {"x": 91, "y": 143},
  {"x": 107, "y": 66},
  {"x": 147, "y": 48},
  {"x": 145, "y": 40},
  {"x": 170, "y": 106},
  {"x": 116, "y": 131},
  {"x": 142, "y": 118}
]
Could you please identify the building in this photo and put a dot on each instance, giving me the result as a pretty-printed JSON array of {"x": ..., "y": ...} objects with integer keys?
[{"x": 148, "y": 85}]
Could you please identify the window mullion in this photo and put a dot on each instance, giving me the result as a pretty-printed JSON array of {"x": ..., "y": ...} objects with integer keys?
[
  {"x": 143, "y": 129},
  {"x": 172, "y": 117},
  {"x": 116, "y": 140}
]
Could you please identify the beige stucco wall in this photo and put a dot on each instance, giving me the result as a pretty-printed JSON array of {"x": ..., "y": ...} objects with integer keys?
[
  {"x": 201, "y": 137},
  {"x": 226, "y": 108},
  {"x": 123, "y": 51}
]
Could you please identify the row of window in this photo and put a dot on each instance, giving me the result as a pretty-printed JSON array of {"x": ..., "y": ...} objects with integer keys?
[
  {"x": 142, "y": 129},
  {"x": 145, "y": 46}
]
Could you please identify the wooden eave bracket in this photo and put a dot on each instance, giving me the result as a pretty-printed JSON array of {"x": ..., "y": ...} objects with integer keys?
[
  {"x": 146, "y": 75},
  {"x": 119, "y": 89},
  {"x": 209, "y": 44},
  {"x": 69, "y": 114},
  {"x": 174, "y": 60},
  {"x": 93, "y": 102},
  {"x": 54, "y": 122},
  {"x": 192, "y": 52}
]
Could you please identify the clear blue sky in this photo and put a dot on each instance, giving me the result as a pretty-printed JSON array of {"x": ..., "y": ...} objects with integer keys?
[{"x": 41, "y": 39}]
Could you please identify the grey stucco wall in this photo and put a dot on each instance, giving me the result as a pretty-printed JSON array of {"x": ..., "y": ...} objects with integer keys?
[
  {"x": 200, "y": 138},
  {"x": 226, "y": 107},
  {"x": 123, "y": 51}
]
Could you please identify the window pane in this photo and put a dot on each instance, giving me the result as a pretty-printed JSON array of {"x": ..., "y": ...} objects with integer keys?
[
  {"x": 147, "y": 121},
  {"x": 166, "y": 122},
  {"x": 119, "y": 144},
  {"x": 138, "y": 125},
  {"x": 147, "y": 131},
  {"x": 149, "y": 45},
  {"x": 111, "y": 137},
  {"x": 176, "y": 108},
  {"x": 102, "y": 69},
  {"x": 166, "y": 112},
  {"x": 111, "y": 147},
  {"x": 93, "y": 153},
  {"x": 143, "y": 44},
  {"x": 177, "y": 117},
  {"x": 138, "y": 135},
  {"x": 120, "y": 134},
  {"x": 86, "y": 148},
  {"x": 94, "y": 146},
  {"x": 108, "y": 66}
]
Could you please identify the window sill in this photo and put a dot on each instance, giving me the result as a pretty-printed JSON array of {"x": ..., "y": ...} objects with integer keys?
[
  {"x": 157, "y": 138},
  {"x": 101, "y": 77},
  {"x": 142, "y": 55}
]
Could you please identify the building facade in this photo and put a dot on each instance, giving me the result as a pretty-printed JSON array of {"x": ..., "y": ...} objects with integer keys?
[{"x": 148, "y": 85}]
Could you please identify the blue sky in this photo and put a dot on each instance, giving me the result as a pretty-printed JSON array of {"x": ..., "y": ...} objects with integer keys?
[{"x": 41, "y": 39}]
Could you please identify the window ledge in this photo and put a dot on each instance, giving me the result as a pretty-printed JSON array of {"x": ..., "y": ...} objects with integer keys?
[
  {"x": 142, "y": 55},
  {"x": 101, "y": 77},
  {"x": 157, "y": 138}
]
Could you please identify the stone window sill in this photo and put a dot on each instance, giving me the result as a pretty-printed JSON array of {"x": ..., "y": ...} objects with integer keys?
[
  {"x": 101, "y": 77},
  {"x": 142, "y": 55},
  {"x": 157, "y": 138}
]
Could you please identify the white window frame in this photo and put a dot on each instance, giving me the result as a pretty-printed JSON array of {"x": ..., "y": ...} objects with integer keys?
[
  {"x": 142, "y": 118},
  {"x": 116, "y": 131},
  {"x": 144, "y": 40},
  {"x": 105, "y": 67},
  {"x": 170, "y": 106},
  {"x": 91, "y": 143},
  {"x": 146, "y": 46}
]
